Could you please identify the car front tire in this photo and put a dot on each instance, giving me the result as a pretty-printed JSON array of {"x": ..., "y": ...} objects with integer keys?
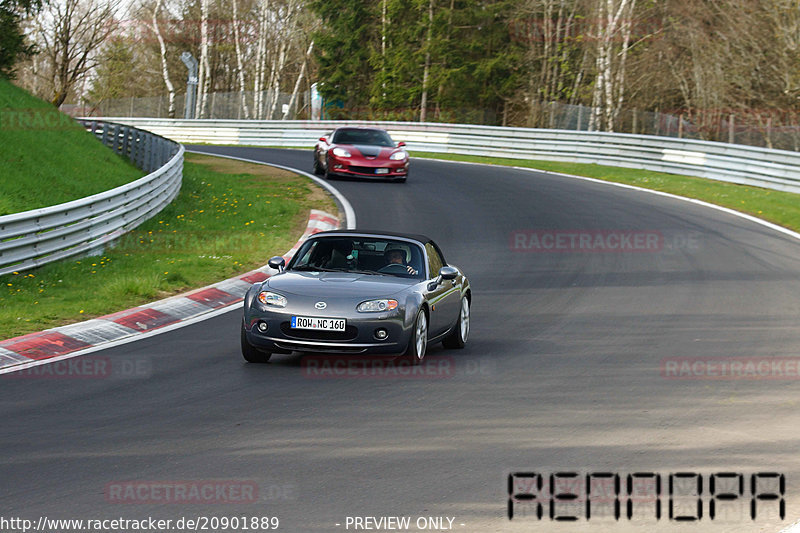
[
  {"x": 318, "y": 170},
  {"x": 418, "y": 344},
  {"x": 458, "y": 337},
  {"x": 327, "y": 170},
  {"x": 250, "y": 353}
]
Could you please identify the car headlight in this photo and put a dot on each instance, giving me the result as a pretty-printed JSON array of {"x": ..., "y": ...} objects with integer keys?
[
  {"x": 271, "y": 298},
  {"x": 398, "y": 156},
  {"x": 340, "y": 152},
  {"x": 376, "y": 306}
]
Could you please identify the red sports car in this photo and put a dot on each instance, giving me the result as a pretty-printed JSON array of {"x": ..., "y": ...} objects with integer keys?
[{"x": 361, "y": 152}]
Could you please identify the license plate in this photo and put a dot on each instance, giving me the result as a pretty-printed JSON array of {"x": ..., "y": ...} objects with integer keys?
[
  {"x": 381, "y": 171},
  {"x": 312, "y": 322}
]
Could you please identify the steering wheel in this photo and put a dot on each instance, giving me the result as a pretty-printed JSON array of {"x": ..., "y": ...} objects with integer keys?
[{"x": 394, "y": 268}]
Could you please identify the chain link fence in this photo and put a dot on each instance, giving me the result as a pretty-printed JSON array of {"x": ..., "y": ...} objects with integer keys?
[
  {"x": 261, "y": 105},
  {"x": 766, "y": 129}
]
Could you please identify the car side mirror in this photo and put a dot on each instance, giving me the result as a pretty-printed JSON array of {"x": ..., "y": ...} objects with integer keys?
[
  {"x": 445, "y": 273},
  {"x": 401, "y": 144},
  {"x": 323, "y": 139},
  {"x": 277, "y": 263},
  {"x": 448, "y": 272}
]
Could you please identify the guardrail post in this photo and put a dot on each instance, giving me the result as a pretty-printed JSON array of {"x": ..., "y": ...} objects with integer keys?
[
  {"x": 141, "y": 140},
  {"x": 104, "y": 138},
  {"x": 153, "y": 162},
  {"x": 148, "y": 154},
  {"x": 126, "y": 132}
]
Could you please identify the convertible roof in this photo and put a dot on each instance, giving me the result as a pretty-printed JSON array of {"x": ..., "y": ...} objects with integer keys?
[{"x": 371, "y": 233}]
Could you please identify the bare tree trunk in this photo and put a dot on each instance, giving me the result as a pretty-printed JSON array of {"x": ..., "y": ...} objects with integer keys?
[
  {"x": 164, "y": 68},
  {"x": 383, "y": 49},
  {"x": 239, "y": 68},
  {"x": 203, "y": 77},
  {"x": 276, "y": 75},
  {"x": 549, "y": 27},
  {"x": 261, "y": 52},
  {"x": 299, "y": 80},
  {"x": 423, "y": 111},
  {"x": 613, "y": 21}
]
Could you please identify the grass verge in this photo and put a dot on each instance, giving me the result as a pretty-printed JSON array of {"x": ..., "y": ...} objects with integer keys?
[
  {"x": 228, "y": 218},
  {"x": 782, "y": 208},
  {"x": 47, "y": 158}
]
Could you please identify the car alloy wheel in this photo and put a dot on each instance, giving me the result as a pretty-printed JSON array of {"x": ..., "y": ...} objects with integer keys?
[
  {"x": 419, "y": 340},
  {"x": 458, "y": 337},
  {"x": 464, "y": 320}
]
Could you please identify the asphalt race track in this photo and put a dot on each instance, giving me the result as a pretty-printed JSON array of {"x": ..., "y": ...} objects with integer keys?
[{"x": 569, "y": 368}]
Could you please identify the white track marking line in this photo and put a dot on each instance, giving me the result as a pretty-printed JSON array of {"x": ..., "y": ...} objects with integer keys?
[
  {"x": 350, "y": 217},
  {"x": 751, "y": 218},
  {"x": 349, "y": 213},
  {"x": 134, "y": 337}
]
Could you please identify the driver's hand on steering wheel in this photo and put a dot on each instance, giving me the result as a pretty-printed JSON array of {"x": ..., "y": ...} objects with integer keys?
[{"x": 411, "y": 270}]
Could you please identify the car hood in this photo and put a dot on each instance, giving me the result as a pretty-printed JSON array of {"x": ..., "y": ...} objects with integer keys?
[
  {"x": 337, "y": 284},
  {"x": 370, "y": 150}
]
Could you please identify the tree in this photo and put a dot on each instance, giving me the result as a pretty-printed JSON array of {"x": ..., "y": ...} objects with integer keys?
[
  {"x": 204, "y": 74},
  {"x": 13, "y": 45},
  {"x": 614, "y": 23},
  {"x": 345, "y": 47},
  {"x": 116, "y": 72},
  {"x": 164, "y": 64},
  {"x": 72, "y": 32},
  {"x": 239, "y": 61}
]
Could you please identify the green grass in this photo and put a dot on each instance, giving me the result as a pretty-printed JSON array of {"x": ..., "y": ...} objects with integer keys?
[
  {"x": 229, "y": 218},
  {"x": 782, "y": 208},
  {"x": 46, "y": 158}
]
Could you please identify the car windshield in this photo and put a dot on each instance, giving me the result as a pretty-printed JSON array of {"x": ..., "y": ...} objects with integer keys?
[
  {"x": 363, "y": 255},
  {"x": 362, "y": 136}
]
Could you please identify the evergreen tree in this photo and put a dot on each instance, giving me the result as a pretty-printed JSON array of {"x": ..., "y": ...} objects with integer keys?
[
  {"x": 13, "y": 45},
  {"x": 344, "y": 50}
]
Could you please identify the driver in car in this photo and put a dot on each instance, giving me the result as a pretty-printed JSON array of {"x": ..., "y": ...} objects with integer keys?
[{"x": 396, "y": 256}]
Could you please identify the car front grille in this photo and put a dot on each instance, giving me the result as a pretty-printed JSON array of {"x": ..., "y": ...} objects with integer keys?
[{"x": 349, "y": 333}]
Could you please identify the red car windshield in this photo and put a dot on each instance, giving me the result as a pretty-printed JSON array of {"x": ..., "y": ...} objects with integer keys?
[{"x": 362, "y": 136}]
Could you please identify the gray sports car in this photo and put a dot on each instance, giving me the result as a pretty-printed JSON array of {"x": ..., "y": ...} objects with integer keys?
[{"x": 354, "y": 292}]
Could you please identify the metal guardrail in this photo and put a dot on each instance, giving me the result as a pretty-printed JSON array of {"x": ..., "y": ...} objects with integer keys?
[
  {"x": 748, "y": 165},
  {"x": 33, "y": 238}
]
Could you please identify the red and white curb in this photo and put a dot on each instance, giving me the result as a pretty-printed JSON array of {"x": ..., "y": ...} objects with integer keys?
[{"x": 32, "y": 349}]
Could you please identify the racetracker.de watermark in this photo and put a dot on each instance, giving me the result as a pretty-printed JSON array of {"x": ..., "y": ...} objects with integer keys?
[
  {"x": 731, "y": 368},
  {"x": 88, "y": 367},
  {"x": 376, "y": 367},
  {"x": 586, "y": 241},
  {"x": 37, "y": 119},
  {"x": 212, "y": 491}
]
